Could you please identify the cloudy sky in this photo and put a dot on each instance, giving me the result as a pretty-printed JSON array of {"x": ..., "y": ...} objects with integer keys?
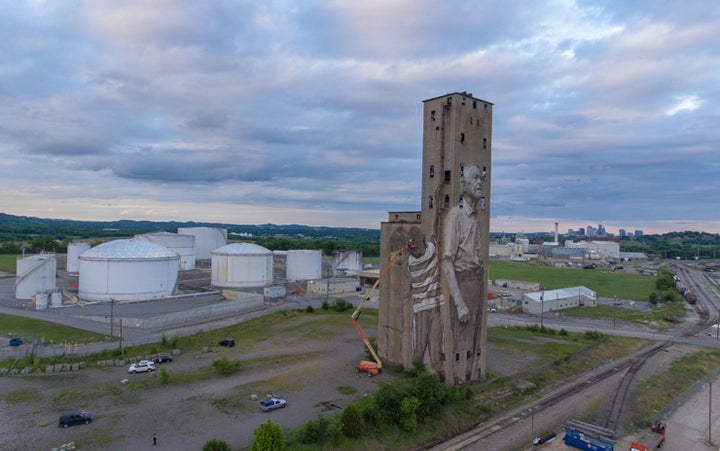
[{"x": 310, "y": 112}]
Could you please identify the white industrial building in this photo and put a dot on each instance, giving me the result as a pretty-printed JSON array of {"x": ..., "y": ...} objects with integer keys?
[
  {"x": 127, "y": 270},
  {"x": 35, "y": 274},
  {"x": 75, "y": 250},
  {"x": 552, "y": 300},
  {"x": 241, "y": 265},
  {"x": 183, "y": 245},
  {"x": 347, "y": 262},
  {"x": 596, "y": 250},
  {"x": 207, "y": 239},
  {"x": 304, "y": 264}
]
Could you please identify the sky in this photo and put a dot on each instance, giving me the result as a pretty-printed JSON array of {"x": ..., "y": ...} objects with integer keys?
[{"x": 310, "y": 112}]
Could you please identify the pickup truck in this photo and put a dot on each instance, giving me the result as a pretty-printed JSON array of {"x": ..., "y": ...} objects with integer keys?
[{"x": 269, "y": 404}]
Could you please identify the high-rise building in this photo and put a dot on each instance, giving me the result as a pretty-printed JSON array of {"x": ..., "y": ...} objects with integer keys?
[{"x": 433, "y": 305}]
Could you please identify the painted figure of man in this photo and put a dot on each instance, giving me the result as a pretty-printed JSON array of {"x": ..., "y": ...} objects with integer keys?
[
  {"x": 463, "y": 276},
  {"x": 427, "y": 298}
]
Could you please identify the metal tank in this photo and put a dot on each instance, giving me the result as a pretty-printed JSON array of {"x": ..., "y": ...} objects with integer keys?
[
  {"x": 347, "y": 262},
  {"x": 41, "y": 301},
  {"x": 183, "y": 245},
  {"x": 75, "y": 250},
  {"x": 241, "y": 265},
  {"x": 304, "y": 264},
  {"x": 35, "y": 274},
  {"x": 207, "y": 239},
  {"x": 124, "y": 270}
]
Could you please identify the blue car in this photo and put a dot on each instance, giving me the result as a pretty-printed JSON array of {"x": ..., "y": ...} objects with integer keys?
[{"x": 16, "y": 341}]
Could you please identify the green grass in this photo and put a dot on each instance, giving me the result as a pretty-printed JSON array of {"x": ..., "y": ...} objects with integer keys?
[
  {"x": 29, "y": 327},
  {"x": 19, "y": 396},
  {"x": 345, "y": 390},
  {"x": 657, "y": 315},
  {"x": 8, "y": 263},
  {"x": 605, "y": 283}
]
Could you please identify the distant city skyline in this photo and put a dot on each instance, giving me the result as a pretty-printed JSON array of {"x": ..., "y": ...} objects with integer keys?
[{"x": 311, "y": 112}]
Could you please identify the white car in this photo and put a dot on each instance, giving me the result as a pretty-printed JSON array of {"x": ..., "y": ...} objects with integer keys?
[{"x": 141, "y": 367}]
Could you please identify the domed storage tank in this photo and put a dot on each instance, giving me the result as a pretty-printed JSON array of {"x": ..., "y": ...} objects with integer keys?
[
  {"x": 241, "y": 265},
  {"x": 74, "y": 250},
  {"x": 183, "y": 245},
  {"x": 207, "y": 239},
  {"x": 304, "y": 264},
  {"x": 125, "y": 270},
  {"x": 35, "y": 274}
]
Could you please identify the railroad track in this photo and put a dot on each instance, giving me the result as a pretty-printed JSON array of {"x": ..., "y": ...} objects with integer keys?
[{"x": 707, "y": 312}]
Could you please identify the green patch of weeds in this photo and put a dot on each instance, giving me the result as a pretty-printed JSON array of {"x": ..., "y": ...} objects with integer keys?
[
  {"x": 345, "y": 390},
  {"x": 18, "y": 396}
]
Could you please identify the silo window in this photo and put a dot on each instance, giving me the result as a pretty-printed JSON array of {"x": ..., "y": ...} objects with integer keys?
[
  {"x": 418, "y": 216},
  {"x": 397, "y": 217},
  {"x": 460, "y": 202},
  {"x": 457, "y": 356},
  {"x": 462, "y": 138},
  {"x": 449, "y": 101},
  {"x": 462, "y": 169},
  {"x": 432, "y": 115},
  {"x": 447, "y": 176},
  {"x": 468, "y": 354},
  {"x": 432, "y": 170},
  {"x": 430, "y": 203},
  {"x": 485, "y": 107},
  {"x": 484, "y": 143},
  {"x": 483, "y": 203},
  {"x": 484, "y": 172},
  {"x": 446, "y": 202},
  {"x": 474, "y": 104},
  {"x": 463, "y": 100}
]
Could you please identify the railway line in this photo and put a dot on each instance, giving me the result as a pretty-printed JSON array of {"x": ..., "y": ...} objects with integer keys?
[{"x": 707, "y": 308}]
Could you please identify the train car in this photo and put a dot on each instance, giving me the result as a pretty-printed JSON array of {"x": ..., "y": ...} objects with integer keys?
[
  {"x": 581, "y": 440},
  {"x": 690, "y": 297}
]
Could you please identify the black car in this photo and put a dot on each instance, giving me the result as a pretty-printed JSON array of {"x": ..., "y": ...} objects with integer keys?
[
  {"x": 73, "y": 418},
  {"x": 229, "y": 342},
  {"x": 162, "y": 358}
]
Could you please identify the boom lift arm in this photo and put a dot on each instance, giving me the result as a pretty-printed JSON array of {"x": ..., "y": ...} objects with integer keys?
[{"x": 373, "y": 368}]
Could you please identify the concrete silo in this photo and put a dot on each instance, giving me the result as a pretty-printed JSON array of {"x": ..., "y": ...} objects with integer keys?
[
  {"x": 127, "y": 270},
  {"x": 35, "y": 274},
  {"x": 241, "y": 265},
  {"x": 75, "y": 250},
  {"x": 207, "y": 239},
  {"x": 183, "y": 245},
  {"x": 304, "y": 264}
]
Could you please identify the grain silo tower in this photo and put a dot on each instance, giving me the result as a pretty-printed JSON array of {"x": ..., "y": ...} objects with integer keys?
[
  {"x": 241, "y": 265},
  {"x": 207, "y": 239},
  {"x": 125, "y": 270},
  {"x": 74, "y": 250},
  {"x": 304, "y": 264},
  {"x": 35, "y": 274},
  {"x": 183, "y": 245}
]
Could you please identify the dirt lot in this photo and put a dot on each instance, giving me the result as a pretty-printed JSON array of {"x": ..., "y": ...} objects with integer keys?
[{"x": 186, "y": 415}]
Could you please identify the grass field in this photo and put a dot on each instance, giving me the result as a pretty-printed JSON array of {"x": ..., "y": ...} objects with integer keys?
[
  {"x": 8, "y": 263},
  {"x": 27, "y": 328},
  {"x": 608, "y": 283}
]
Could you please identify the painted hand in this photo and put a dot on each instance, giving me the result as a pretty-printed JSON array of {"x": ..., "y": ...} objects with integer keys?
[{"x": 463, "y": 312}]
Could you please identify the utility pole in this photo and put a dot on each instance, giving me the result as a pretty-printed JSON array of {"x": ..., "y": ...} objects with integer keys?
[
  {"x": 112, "y": 321},
  {"x": 542, "y": 309}
]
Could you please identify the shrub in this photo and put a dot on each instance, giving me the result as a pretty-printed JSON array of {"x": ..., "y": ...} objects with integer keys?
[
  {"x": 309, "y": 309},
  {"x": 341, "y": 305},
  {"x": 593, "y": 335},
  {"x": 216, "y": 445},
  {"x": 408, "y": 413},
  {"x": 563, "y": 332},
  {"x": 268, "y": 437},
  {"x": 315, "y": 431},
  {"x": 164, "y": 375},
  {"x": 325, "y": 306},
  {"x": 224, "y": 366}
]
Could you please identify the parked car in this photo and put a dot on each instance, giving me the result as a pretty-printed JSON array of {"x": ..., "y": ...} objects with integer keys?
[
  {"x": 229, "y": 342},
  {"x": 73, "y": 418},
  {"x": 266, "y": 405},
  {"x": 162, "y": 358},
  {"x": 141, "y": 367},
  {"x": 16, "y": 341}
]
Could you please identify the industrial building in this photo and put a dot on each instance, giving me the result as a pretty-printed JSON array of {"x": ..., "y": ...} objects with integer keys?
[
  {"x": 539, "y": 302},
  {"x": 241, "y": 265},
  {"x": 35, "y": 274}
]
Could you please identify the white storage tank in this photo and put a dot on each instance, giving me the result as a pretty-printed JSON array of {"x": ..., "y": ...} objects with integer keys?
[
  {"x": 304, "y": 264},
  {"x": 124, "y": 270},
  {"x": 183, "y": 245},
  {"x": 41, "y": 301},
  {"x": 75, "y": 250},
  {"x": 347, "y": 262},
  {"x": 207, "y": 239},
  {"x": 240, "y": 265},
  {"x": 35, "y": 274},
  {"x": 56, "y": 299}
]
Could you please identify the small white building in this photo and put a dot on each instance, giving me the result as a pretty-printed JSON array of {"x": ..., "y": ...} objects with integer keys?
[{"x": 545, "y": 301}]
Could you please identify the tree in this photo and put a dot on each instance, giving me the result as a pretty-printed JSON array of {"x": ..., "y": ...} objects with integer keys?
[
  {"x": 215, "y": 445},
  {"x": 352, "y": 421},
  {"x": 408, "y": 413},
  {"x": 268, "y": 437}
]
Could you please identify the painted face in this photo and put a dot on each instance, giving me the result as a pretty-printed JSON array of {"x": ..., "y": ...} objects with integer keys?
[{"x": 472, "y": 182}]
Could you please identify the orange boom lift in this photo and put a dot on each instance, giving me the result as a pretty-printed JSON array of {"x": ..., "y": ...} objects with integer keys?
[{"x": 373, "y": 368}]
